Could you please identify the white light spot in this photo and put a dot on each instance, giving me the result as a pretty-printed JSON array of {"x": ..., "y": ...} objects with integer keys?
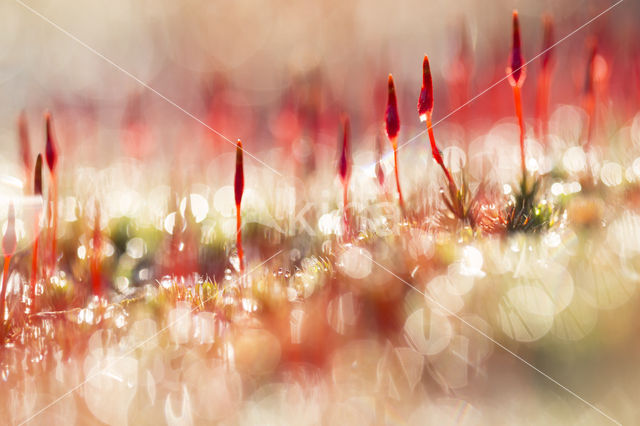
[
  {"x": 122, "y": 283},
  {"x": 573, "y": 187},
  {"x": 224, "y": 201},
  {"x": 557, "y": 189},
  {"x": 356, "y": 262},
  {"x": 611, "y": 174},
  {"x": 199, "y": 207},
  {"x": 574, "y": 159},
  {"x": 526, "y": 313},
  {"x": 532, "y": 164},
  {"x": 471, "y": 262},
  {"x": 136, "y": 248},
  {"x": 636, "y": 166},
  {"x": 169, "y": 222},
  {"x": 330, "y": 223},
  {"x": 430, "y": 338},
  {"x": 180, "y": 323},
  {"x": 552, "y": 239}
]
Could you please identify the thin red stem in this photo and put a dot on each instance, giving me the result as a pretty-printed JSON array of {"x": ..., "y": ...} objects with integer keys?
[
  {"x": 394, "y": 143},
  {"x": 345, "y": 203},
  {"x": 34, "y": 264},
  {"x": 436, "y": 154},
  {"x": 543, "y": 104},
  {"x": 54, "y": 221},
  {"x": 96, "y": 270},
  {"x": 591, "y": 113},
  {"x": 3, "y": 293},
  {"x": 518, "y": 102},
  {"x": 96, "y": 275},
  {"x": 239, "y": 237}
]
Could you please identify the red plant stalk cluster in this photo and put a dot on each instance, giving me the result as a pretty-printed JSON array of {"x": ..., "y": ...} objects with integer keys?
[
  {"x": 544, "y": 80},
  {"x": 239, "y": 190},
  {"x": 589, "y": 89},
  {"x": 379, "y": 170},
  {"x": 425, "y": 111},
  {"x": 9, "y": 244},
  {"x": 25, "y": 144},
  {"x": 37, "y": 191},
  {"x": 460, "y": 70},
  {"x": 52, "y": 161},
  {"x": 392, "y": 122},
  {"x": 516, "y": 74},
  {"x": 344, "y": 170}
]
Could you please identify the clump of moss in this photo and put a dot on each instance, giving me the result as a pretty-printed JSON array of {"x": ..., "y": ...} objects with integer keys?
[
  {"x": 525, "y": 212},
  {"x": 460, "y": 202}
]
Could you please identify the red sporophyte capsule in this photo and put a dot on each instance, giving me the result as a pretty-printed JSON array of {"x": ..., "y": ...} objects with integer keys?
[
  {"x": 425, "y": 102},
  {"x": 37, "y": 176},
  {"x": 392, "y": 120},
  {"x": 9, "y": 241},
  {"x": 547, "y": 41},
  {"x": 344, "y": 164},
  {"x": 25, "y": 145},
  {"x": 239, "y": 177},
  {"x": 516, "y": 70},
  {"x": 50, "y": 151}
]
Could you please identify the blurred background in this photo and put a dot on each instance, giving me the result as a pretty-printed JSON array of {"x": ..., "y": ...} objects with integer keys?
[
  {"x": 279, "y": 74},
  {"x": 270, "y": 70}
]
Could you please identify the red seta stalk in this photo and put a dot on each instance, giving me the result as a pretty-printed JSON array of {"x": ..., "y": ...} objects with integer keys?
[
  {"x": 344, "y": 170},
  {"x": 25, "y": 144},
  {"x": 518, "y": 103},
  {"x": 425, "y": 111},
  {"x": 9, "y": 244},
  {"x": 392, "y": 122},
  {"x": 379, "y": 170},
  {"x": 516, "y": 75},
  {"x": 460, "y": 69},
  {"x": 176, "y": 264},
  {"x": 95, "y": 266},
  {"x": 589, "y": 89},
  {"x": 37, "y": 191},
  {"x": 52, "y": 160},
  {"x": 239, "y": 190},
  {"x": 544, "y": 80}
]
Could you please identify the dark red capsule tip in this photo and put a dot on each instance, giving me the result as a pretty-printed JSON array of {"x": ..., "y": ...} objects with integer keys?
[
  {"x": 516, "y": 29},
  {"x": 425, "y": 102},
  {"x": 50, "y": 151},
  {"x": 516, "y": 71},
  {"x": 392, "y": 119},
  {"x": 344, "y": 164},
  {"x": 9, "y": 241},
  {"x": 37, "y": 176},
  {"x": 239, "y": 177}
]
